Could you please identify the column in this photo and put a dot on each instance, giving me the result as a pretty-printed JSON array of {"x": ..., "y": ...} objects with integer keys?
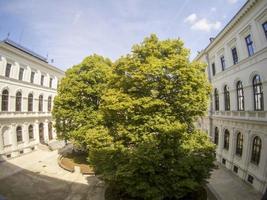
[
  {"x": 36, "y": 131},
  {"x": 25, "y": 135},
  {"x": 14, "y": 139},
  {"x": 246, "y": 151},
  {"x": 220, "y": 145},
  {"x": 232, "y": 144},
  {"x": 46, "y": 138}
]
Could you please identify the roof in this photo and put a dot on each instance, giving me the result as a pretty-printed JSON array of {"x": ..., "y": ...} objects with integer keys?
[{"x": 24, "y": 49}]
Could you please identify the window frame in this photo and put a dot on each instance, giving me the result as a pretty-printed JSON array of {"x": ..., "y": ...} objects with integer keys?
[
  {"x": 32, "y": 77},
  {"x": 240, "y": 96},
  {"x": 31, "y": 132},
  {"x": 216, "y": 100},
  {"x": 21, "y": 73},
  {"x": 40, "y": 103},
  {"x": 226, "y": 139},
  {"x": 264, "y": 26},
  {"x": 249, "y": 43},
  {"x": 8, "y": 70},
  {"x": 258, "y": 93},
  {"x": 19, "y": 135},
  {"x": 213, "y": 69},
  {"x": 30, "y": 102},
  {"x": 239, "y": 144},
  {"x": 18, "y": 101},
  {"x": 234, "y": 55},
  {"x": 42, "y": 80},
  {"x": 227, "y": 101},
  {"x": 216, "y": 136},
  {"x": 5, "y": 100},
  {"x": 256, "y": 150},
  {"x": 49, "y": 104},
  {"x": 222, "y": 62}
]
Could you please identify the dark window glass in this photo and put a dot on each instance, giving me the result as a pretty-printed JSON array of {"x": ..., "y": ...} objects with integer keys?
[
  {"x": 239, "y": 144},
  {"x": 49, "y": 102},
  {"x": 50, "y": 82},
  {"x": 41, "y": 103},
  {"x": 264, "y": 26},
  {"x": 234, "y": 55},
  {"x": 223, "y": 161},
  {"x": 226, "y": 139},
  {"x": 42, "y": 79},
  {"x": 258, "y": 93},
  {"x": 216, "y": 136},
  {"x": 256, "y": 150},
  {"x": 223, "y": 63},
  {"x": 235, "y": 169},
  {"x": 216, "y": 98},
  {"x": 32, "y": 77},
  {"x": 5, "y": 100},
  {"x": 250, "y": 179},
  {"x": 226, "y": 98},
  {"x": 21, "y": 72},
  {"x": 18, "y": 101},
  {"x": 8, "y": 69},
  {"x": 31, "y": 136},
  {"x": 19, "y": 134},
  {"x": 249, "y": 43},
  {"x": 30, "y": 102},
  {"x": 213, "y": 69},
  {"x": 240, "y": 96}
]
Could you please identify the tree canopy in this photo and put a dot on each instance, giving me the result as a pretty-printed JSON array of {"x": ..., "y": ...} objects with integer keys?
[{"x": 135, "y": 117}]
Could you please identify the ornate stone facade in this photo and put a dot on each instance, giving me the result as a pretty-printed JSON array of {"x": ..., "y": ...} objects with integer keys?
[
  {"x": 28, "y": 86},
  {"x": 237, "y": 70}
]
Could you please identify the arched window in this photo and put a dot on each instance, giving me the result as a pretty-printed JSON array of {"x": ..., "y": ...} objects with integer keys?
[
  {"x": 30, "y": 102},
  {"x": 18, "y": 101},
  {"x": 258, "y": 93},
  {"x": 226, "y": 98},
  {"x": 239, "y": 144},
  {"x": 30, "y": 131},
  {"x": 240, "y": 96},
  {"x": 41, "y": 103},
  {"x": 5, "y": 100},
  {"x": 19, "y": 134},
  {"x": 226, "y": 139},
  {"x": 216, "y": 136},
  {"x": 216, "y": 98},
  {"x": 49, "y": 101},
  {"x": 256, "y": 150}
]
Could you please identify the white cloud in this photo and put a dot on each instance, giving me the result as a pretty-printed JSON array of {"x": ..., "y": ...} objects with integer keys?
[
  {"x": 191, "y": 18},
  {"x": 202, "y": 24},
  {"x": 213, "y": 9},
  {"x": 232, "y": 1}
]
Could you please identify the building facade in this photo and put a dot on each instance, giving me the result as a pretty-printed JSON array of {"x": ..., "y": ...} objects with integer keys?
[
  {"x": 28, "y": 85},
  {"x": 237, "y": 69}
]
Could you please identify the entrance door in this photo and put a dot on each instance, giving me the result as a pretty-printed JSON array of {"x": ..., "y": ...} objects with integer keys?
[{"x": 41, "y": 133}]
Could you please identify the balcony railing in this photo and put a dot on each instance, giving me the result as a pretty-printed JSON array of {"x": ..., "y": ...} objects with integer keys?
[
  {"x": 12, "y": 114},
  {"x": 245, "y": 115}
]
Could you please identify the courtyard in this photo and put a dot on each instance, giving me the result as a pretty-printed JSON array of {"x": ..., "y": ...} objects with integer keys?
[{"x": 38, "y": 176}]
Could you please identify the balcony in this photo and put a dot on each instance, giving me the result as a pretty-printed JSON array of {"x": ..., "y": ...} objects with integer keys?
[
  {"x": 242, "y": 115},
  {"x": 13, "y": 114}
]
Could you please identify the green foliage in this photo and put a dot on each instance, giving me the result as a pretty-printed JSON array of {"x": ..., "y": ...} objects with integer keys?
[{"x": 140, "y": 134}]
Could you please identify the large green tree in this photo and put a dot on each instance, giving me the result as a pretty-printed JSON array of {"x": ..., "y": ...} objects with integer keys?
[{"x": 143, "y": 138}]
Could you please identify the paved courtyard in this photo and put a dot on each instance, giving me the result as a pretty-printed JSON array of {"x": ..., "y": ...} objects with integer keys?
[
  {"x": 37, "y": 176},
  {"x": 40, "y": 178}
]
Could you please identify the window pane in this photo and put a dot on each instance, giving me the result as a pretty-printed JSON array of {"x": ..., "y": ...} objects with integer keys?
[
  {"x": 21, "y": 71},
  {"x": 5, "y": 100},
  {"x": 8, "y": 69}
]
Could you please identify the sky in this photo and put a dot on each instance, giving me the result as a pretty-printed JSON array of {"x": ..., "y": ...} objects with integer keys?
[{"x": 69, "y": 30}]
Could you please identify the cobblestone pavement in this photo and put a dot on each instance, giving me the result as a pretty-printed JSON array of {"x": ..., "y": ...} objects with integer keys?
[
  {"x": 37, "y": 176},
  {"x": 227, "y": 186}
]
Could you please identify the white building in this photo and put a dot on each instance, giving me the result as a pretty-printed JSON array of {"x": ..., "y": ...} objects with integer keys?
[
  {"x": 28, "y": 86},
  {"x": 237, "y": 69}
]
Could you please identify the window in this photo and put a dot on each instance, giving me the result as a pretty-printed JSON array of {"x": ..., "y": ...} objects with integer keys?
[
  {"x": 223, "y": 161},
  {"x": 40, "y": 103},
  {"x": 223, "y": 63},
  {"x": 42, "y": 79},
  {"x": 240, "y": 96},
  {"x": 18, "y": 101},
  {"x": 239, "y": 144},
  {"x": 21, "y": 71},
  {"x": 234, "y": 55},
  {"x": 32, "y": 77},
  {"x": 264, "y": 26},
  {"x": 258, "y": 93},
  {"x": 256, "y": 150},
  {"x": 216, "y": 136},
  {"x": 213, "y": 69},
  {"x": 250, "y": 179},
  {"x": 235, "y": 169},
  {"x": 249, "y": 43},
  {"x": 226, "y": 139},
  {"x": 216, "y": 98},
  {"x": 19, "y": 134},
  {"x": 8, "y": 69},
  {"x": 5, "y": 100},
  {"x": 226, "y": 98},
  {"x": 30, "y": 130},
  {"x": 49, "y": 101},
  {"x": 50, "y": 82},
  {"x": 30, "y": 102}
]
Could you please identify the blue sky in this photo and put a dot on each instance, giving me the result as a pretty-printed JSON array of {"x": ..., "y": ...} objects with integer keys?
[{"x": 70, "y": 30}]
